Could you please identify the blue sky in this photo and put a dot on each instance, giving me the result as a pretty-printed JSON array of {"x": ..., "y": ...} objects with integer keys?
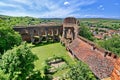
[{"x": 61, "y": 8}]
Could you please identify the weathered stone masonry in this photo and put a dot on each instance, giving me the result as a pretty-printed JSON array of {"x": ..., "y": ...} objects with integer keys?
[
  {"x": 70, "y": 30},
  {"x": 43, "y": 31},
  {"x": 103, "y": 63}
]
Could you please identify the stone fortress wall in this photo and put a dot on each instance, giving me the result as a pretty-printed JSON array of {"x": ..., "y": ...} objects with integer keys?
[
  {"x": 38, "y": 33},
  {"x": 104, "y": 64}
]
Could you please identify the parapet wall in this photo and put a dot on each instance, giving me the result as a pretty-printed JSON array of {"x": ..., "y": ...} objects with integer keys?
[{"x": 104, "y": 52}]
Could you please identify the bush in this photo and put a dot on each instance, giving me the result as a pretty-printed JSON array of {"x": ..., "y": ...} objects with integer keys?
[
  {"x": 3, "y": 76},
  {"x": 8, "y": 38},
  {"x": 80, "y": 71},
  {"x": 48, "y": 77},
  {"x": 112, "y": 44},
  {"x": 35, "y": 75},
  {"x": 85, "y": 32},
  {"x": 18, "y": 62}
]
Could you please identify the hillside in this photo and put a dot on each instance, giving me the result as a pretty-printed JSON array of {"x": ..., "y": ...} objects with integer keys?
[
  {"x": 92, "y": 22},
  {"x": 101, "y": 22},
  {"x": 20, "y": 21}
]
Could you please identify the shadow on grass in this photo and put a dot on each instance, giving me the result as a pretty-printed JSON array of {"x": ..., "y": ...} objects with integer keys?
[{"x": 43, "y": 43}]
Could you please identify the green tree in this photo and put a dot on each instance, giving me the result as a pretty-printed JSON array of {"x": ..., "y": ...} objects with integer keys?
[
  {"x": 35, "y": 75},
  {"x": 18, "y": 62},
  {"x": 3, "y": 76},
  {"x": 112, "y": 44},
  {"x": 80, "y": 71},
  {"x": 85, "y": 32},
  {"x": 8, "y": 38}
]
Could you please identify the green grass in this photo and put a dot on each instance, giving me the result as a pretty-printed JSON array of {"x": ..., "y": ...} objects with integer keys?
[
  {"x": 61, "y": 73},
  {"x": 45, "y": 51}
]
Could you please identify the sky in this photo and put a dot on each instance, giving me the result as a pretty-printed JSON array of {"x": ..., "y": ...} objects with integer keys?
[{"x": 61, "y": 8}]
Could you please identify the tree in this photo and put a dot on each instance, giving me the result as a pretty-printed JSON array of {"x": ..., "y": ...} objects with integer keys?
[
  {"x": 35, "y": 76},
  {"x": 18, "y": 62},
  {"x": 8, "y": 38},
  {"x": 80, "y": 71},
  {"x": 112, "y": 44},
  {"x": 3, "y": 76},
  {"x": 85, "y": 32}
]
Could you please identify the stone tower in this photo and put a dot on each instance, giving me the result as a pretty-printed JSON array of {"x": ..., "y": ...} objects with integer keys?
[{"x": 70, "y": 30}]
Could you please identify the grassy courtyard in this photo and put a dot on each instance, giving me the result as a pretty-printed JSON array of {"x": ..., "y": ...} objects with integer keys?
[{"x": 46, "y": 51}]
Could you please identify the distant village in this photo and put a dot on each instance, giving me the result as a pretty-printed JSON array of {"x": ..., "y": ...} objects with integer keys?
[{"x": 103, "y": 33}]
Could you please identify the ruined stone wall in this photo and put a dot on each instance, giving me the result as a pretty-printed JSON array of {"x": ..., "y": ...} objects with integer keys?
[
  {"x": 42, "y": 31},
  {"x": 68, "y": 30},
  {"x": 23, "y": 32}
]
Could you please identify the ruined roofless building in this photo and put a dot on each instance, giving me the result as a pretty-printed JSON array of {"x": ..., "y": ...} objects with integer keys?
[
  {"x": 38, "y": 33},
  {"x": 65, "y": 32}
]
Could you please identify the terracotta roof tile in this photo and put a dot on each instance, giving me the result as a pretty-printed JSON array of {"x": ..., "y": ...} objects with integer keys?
[
  {"x": 101, "y": 66},
  {"x": 116, "y": 72}
]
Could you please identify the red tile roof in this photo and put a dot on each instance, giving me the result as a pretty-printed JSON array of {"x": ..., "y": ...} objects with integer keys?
[
  {"x": 116, "y": 72},
  {"x": 101, "y": 66},
  {"x": 99, "y": 36}
]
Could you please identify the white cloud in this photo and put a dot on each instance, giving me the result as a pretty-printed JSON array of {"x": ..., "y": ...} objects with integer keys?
[
  {"x": 17, "y": 7},
  {"x": 66, "y": 3},
  {"x": 17, "y": 13},
  {"x": 47, "y": 8},
  {"x": 22, "y": 1},
  {"x": 101, "y": 7},
  {"x": 6, "y": 4}
]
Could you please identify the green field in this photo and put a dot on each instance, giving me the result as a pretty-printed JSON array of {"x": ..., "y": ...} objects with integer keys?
[
  {"x": 45, "y": 51},
  {"x": 101, "y": 22}
]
